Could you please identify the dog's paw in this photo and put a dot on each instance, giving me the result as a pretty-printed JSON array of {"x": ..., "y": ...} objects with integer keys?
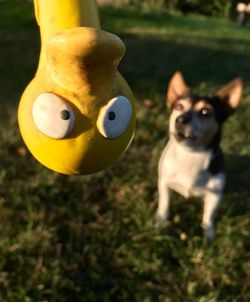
[
  {"x": 209, "y": 232},
  {"x": 160, "y": 220}
]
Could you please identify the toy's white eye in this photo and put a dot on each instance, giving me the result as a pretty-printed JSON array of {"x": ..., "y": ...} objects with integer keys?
[
  {"x": 114, "y": 118},
  {"x": 52, "y": 115}
]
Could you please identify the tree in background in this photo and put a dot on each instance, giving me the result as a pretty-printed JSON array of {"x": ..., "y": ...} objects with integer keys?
[{"x": 220, "y": 8}]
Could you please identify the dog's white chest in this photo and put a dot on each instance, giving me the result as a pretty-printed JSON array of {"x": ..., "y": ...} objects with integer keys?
[{"x": 184, "y": 170}]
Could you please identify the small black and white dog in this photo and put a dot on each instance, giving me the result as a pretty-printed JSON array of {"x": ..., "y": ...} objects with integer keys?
[{"x": 192, "y": 162}]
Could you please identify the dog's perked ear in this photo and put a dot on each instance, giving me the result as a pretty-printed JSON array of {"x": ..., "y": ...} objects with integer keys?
[
  {"x": 231, "y": 94},
  {"x": 177, "y": 88}
]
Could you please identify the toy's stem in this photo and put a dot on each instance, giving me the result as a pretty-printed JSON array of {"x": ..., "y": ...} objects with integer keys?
[{"x": 55, "y": 15}]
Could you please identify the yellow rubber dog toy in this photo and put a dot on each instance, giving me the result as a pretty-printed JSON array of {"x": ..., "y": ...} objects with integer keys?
[{"x": 77, "y": 115}]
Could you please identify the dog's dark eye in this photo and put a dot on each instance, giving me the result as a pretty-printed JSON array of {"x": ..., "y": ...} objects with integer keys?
[
  {"x": 178, "y": 106},
  {"x": 206, "y": 112}
]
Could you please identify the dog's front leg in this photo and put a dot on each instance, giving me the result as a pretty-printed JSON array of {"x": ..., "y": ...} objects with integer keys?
[
  {"x": 212, "y": 199},
  {"x": 163, "y": 204},
  {"x": 211, "y": 203}
]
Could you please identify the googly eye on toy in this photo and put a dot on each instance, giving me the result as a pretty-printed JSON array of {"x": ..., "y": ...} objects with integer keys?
[
  {"x": 114, "y": 118},
  {"x": 52, "y": 115}
]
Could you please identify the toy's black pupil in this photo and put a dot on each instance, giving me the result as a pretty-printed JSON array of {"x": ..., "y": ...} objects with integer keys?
[
  {"x": 111, "y": 116},
  {"x": 65, "y": 115}
]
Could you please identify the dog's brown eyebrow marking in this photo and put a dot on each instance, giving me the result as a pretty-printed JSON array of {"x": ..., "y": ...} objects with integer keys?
[
  {"x": 185, "y": 102},
  {"x": 194, "y": 102},
  {"x": 201, "y": 104},
  {"x": 184, "y": 98}
]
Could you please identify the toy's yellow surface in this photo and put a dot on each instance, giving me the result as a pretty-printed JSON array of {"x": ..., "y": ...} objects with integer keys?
[{"x": 77, "y": 115}]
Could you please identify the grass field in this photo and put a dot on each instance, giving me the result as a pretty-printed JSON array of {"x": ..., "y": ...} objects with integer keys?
[{"x": 92, "y": 238}]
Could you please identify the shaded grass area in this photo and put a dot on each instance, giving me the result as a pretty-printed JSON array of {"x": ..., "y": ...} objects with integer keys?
[
  {"x": 93, "y": 238},
  {"x": 19, "y": 48}
]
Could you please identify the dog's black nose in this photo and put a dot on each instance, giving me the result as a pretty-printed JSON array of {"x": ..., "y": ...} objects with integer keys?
[{"x": 185, "y": 118}]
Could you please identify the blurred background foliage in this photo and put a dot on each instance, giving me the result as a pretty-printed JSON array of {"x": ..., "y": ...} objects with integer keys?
[{"x": 221, "y": 8}]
